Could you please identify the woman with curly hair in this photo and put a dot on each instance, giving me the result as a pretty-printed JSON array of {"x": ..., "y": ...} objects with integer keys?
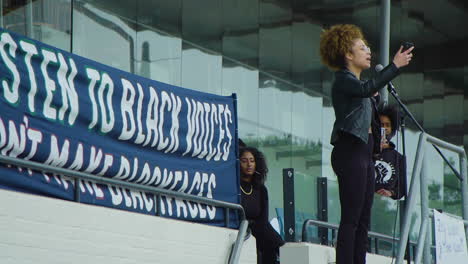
[
  {"x": 356, "y": 128},
  {"x": 254, "y": 170}
]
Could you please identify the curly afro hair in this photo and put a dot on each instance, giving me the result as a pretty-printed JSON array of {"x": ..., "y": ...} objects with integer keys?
[
  {"x": 393, "y": 114},
  {"x": 336, "y": 41}
]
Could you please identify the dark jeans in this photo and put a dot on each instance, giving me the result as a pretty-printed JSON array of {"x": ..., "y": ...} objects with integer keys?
[{"x": 352, "y": 162}]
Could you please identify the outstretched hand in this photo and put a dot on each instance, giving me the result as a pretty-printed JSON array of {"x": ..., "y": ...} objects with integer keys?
[{"x": 402, "y": 59}]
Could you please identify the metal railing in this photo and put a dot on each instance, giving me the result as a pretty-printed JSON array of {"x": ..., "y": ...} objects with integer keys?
[
  {"x": 377, "y": 237},
  {"x": 419, "y": 179},
  {"x": 157, "y": 192}
]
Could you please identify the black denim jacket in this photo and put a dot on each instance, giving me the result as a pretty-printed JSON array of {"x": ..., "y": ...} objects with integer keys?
[{"x": 351, "y": 99}]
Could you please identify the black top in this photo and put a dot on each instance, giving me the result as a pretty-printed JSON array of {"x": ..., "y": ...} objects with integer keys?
[
  {"x": 351, "y": 100},
  {"x": 390, "y": 172},
  {"x": 255, "y": 204}
]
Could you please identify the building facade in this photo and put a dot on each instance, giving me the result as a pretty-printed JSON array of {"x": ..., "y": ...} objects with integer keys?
[{"x": 266, "y": 51}]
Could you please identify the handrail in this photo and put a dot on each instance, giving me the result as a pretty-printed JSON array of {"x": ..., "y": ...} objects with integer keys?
[
  {"x": 419, "y": 180},
  {"x": 235, "y": 253},
  {"x": 318, "y": 223},
  {"x": 331, "y": 226}
]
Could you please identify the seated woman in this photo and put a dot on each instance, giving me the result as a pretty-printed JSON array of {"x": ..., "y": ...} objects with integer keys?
[{"x": 253, "y": 170}]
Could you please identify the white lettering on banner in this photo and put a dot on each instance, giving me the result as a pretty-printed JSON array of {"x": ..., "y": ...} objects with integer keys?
[
  {"x": 24, "y": 141},
  {"x": 204, "y": 122},
  {"x": 31, "y": 51},
  {"x": 152, "y": 118},
  {"x": 126, "y": 104},
  {"x": 165, "y": 100},
  {"x": 146, "y": 116},
  {"x": 78, "y": 161},
  {"x": 68, "y": 90},
  {"x": 94, "y": 78},
  {"x": 107, "y": 115},
  {"x": 102, "y": 110},
  {"x": 202, "y": 184},
  {"x": 14, "y": 140},
  {"x": 140, "y": 136},
  {"x": 176, "y": 106},
  {"x": 202, "y": 119},
  {"x": 136, "y": 199},
  {"x": 49, "y": 111},
  {"x": 156, "y": 125},
  {"x": 10, "y": 90},
  {"x": 16, "y": 143},
  {"x": 57, "y": 158}
]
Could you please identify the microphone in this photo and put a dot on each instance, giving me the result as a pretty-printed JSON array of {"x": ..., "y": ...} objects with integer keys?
[{"x": 379, "y": 68}]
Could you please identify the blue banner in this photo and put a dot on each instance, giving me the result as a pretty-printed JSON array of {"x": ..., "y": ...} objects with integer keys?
[{"x": 67, "y": 111}]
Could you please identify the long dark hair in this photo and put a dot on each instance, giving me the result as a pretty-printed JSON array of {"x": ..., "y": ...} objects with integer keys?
[{"x": 261, "y": 168}]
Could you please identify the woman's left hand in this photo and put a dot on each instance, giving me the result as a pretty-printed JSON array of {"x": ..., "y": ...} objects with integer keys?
[{"x": 403, "y": 58}]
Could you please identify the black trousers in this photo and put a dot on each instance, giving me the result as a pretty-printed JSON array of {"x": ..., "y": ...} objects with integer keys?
[{"x": 352, "y": 162}]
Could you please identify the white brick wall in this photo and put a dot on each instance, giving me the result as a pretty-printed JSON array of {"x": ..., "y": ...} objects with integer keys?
[{"x": 35, "y": 229}]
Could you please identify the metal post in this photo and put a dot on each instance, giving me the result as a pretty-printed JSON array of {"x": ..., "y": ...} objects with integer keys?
[
  {"x": 28, "y": 15},
  {"x": 425, "y": 210},
  {"x": 422, "y": 238},
  {"x": 77, "y": 190},
  {"x": 384, "y": 41},
  {"x": 289, "y": 205},
  {"x": 411, "y": 199},
  {"x": 226, "y": 216},
  {"x": 235, "y": 253},
  {"x": 322, "y": 208},
  {"x": 464, "y": 188}
]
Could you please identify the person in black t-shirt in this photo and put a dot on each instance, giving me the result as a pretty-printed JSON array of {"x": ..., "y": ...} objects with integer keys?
[
  {"x": 390, "y": 167},
  {"x": 253, "y": 170}
]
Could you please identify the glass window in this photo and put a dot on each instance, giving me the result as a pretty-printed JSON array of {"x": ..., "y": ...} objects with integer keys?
[
  {"x": 275, "y": 139},
  {"x": 201, "y": 69},
  {"x": 241, "y": 28},
  {"x": 158, "y": 56},
  {"x": 275, "y": 54},
  {"x": 45, "y": 20},
  {"x": 243, "y": 81},
  {"x": 203, "y": 27},
  {"x": 92, "y": 25},
  {"x": 161, "y": 14},
  {"x": 306, "y": 154},
  {"x": 121, "y": 8}
]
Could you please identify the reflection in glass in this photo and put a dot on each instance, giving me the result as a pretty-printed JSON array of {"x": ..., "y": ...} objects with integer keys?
[
  {"x": 103, "y": 37},
  {"x": 203, "y": 28},
  {"x": 201, "y": 69},
  {"x": 161, "y": 14},
  {"x": 44, "y": 20},
  {"x": 275, "y": 38},
  {"x": 244, "y": 82},
  {"x": 241, "y": 27},
  {"x": 306, "y": 153},
  {"x": 275, "y": 139},
  {"x": 158, "y": 56}
]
